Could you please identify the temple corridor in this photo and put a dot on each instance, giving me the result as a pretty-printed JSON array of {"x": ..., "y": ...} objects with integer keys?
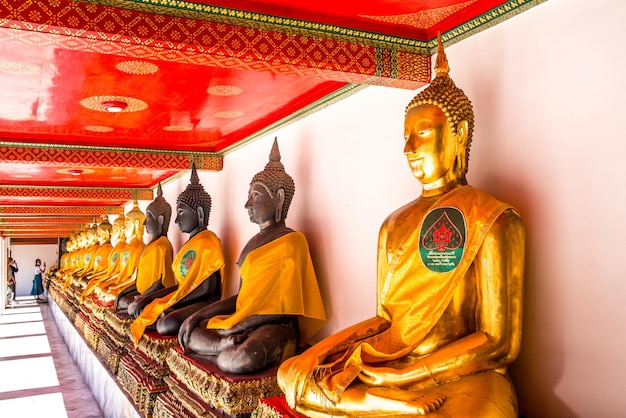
[{"x": 39, "y": 376}]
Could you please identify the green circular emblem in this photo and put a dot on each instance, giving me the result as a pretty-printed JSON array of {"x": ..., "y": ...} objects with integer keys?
[
  {"x": 187, "y": 262},
  {"x": 125, "y": 257},
  {"x": 442, "y": 239}
]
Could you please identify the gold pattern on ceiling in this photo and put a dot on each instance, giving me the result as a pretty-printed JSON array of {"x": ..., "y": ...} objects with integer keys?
[
  {"x": 17, "y": 117},
  {"x": 19, "y": 68},
  {"x": 423, "y": 19},
  {"x": 99, "y": 128},
  {"x": 137, "y": 67},
  {"x": 224, "y": 90},
  {"x": 178, "y": 128},
  {"x": 229, "y": 114},
  {"x": 97, "y": 103}
]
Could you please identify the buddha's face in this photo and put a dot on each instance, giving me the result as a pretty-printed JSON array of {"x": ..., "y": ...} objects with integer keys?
[
  {"x": 260, "y": 205},
  {"x": 151, "y": 223},
  {"x": 430, "y": 146},
  {"x": 129, "y": 228},
  {"x": 116, "y": 231},
  {"x": 103, "y": 236},
  {"x": 186, "y": 219}
]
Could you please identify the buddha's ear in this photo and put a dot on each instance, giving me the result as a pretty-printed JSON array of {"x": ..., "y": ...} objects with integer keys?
[
  {"x": 280, "y": 201},
  {"x": 461, "y": 132},
  {"x": 160, "y": 222},
  {"x": 200, "y": 212},
  {"x": 462, "y": 129}
]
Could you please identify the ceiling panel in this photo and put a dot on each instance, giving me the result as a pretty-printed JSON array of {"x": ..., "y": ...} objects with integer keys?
[{"x": 192, "y": 81}]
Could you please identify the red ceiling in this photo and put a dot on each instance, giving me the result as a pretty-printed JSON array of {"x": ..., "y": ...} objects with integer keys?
[{"x": 199, "y": 79}]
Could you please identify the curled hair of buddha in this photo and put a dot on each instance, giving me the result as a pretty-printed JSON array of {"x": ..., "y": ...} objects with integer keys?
[
  {"x": 159, "y": 206},
  {"x": 135, "y": 214},
  {"x": 92, "y": 231},
  {"x": 105, "y": 225},
  {"x": 443, "y": 93},
  {"x": 273, "y": 177},
  {"x": 194, "y": 196},
  {"x": 120, "y": 222}
]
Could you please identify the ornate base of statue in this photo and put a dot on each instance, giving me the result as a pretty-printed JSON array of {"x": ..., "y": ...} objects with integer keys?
[
  {"x": 142, "y": 379},
  {"x": 142, "y": 370},
  {"x": 114, "y": 342},
  {"x": 206, "y": 386},
  {"x": 275, "y": 407}
]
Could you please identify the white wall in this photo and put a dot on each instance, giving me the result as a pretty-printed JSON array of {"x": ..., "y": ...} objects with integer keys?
[
  {"x": 548, "y": 90},
  {"x": 25, "y": 255}
]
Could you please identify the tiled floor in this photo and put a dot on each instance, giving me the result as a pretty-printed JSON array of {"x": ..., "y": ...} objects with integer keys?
[{"x": 38, "y": 377}]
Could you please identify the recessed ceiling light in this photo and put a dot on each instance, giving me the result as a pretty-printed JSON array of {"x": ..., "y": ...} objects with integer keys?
[
  {"x": 114, "y": 106},
  {"x": 114, "y": 103},
  {"x": 75, "y": 171}
]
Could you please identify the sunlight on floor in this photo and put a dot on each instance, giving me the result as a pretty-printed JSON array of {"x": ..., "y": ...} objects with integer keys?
[
  {"x": 24, "y": 346},
  {"x": 22, "y": 336},
  {"x": 27, "y": 373},
  {"x": 49, "y": 406}
]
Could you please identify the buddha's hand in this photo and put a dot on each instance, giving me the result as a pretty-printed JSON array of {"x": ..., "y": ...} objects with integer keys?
[
  {"x": 236, "y": 330},
  {"x": 415, "y": 376},
  {"x": 379, "y": 376}
]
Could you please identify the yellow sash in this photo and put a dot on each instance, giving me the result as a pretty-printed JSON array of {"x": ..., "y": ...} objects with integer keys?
[
  {"x": 155, "y": 263},
  {"x": 278, "y": 278},
  {"x": 128, "y": 264},
  {"x": 200, "y": 257},
  {"x": 113, "y": 266}
]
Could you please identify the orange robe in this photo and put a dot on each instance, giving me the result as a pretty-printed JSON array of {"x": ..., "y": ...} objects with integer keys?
[
  {"x": 199, "y": 258},
  {"x": 278, "y": 278}
]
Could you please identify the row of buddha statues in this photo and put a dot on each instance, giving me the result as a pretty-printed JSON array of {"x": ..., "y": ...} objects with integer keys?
[{"x": 450, "y": 269}]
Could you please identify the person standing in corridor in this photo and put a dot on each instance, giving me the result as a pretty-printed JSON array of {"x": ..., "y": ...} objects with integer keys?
[{"x": 37, "y": 288}]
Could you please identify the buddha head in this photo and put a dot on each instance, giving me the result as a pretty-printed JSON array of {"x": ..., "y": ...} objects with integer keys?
[
  {"x": 193, "y": 206},
  {"x": 91, "y": 235},
  {"x": 438, "y": 128},
  {"x": 104, "y": 231},
  {"x": 158, "y": 215},
  {"x": 278, "y": 187},
  {"x": 119, "y": 226},
  {"x": 134, "y": 222}
]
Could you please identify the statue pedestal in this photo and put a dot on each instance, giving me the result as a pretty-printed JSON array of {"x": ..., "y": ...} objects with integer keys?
[
  {"x": 114, "y": 342},
  {"x": 202, "y": 388},
  {"x": 142, "y": 370},
  {"x": 276, "y": 407}
]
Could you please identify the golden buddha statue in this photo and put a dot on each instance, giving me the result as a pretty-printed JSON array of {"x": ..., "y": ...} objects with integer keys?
[
  {"x": 198, "y": 269},
  {"x": 103, "y": 250},
  {"x": 279, "y": 301},
  {"x": 113, "y": 265},
  {"x": 134, "y": 228},
  {"x": 450, "y": 273},
  {"x": 154, "y": 269},
  {"x": 90, "y": 239}
]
